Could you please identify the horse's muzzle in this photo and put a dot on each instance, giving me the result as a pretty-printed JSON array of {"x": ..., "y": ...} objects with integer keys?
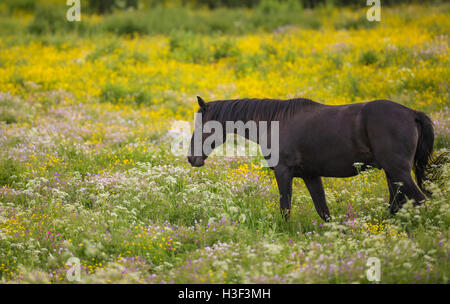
[{"x": 196, "y": 161}]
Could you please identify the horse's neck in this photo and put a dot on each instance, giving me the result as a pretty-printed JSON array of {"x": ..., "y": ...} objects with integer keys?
[
  {"x": 259, "y": 119},
  {"x": 249, "y": 128}
]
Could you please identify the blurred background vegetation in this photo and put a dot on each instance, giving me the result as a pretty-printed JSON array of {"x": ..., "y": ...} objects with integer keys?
[
  {"x": 143, "y": 17},
  {"x": 107, "y": 6}
]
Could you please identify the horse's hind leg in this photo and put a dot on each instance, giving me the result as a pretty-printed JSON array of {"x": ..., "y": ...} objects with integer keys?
[
  {"x": 401, "y": 175},
  {"x": 412, "y": 191},
  {"x": 396, "y": 198},
  {"x": 393, "y": 137},
  {"x": 315, "y": 189}
]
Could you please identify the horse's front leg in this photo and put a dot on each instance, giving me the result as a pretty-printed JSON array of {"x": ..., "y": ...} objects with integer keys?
[
  {"x": 284, "y": 181},
  {"x": 315, "y": 188}
]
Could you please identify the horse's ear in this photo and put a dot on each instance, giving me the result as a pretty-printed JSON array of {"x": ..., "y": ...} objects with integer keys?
[{"x": 201, "y": 102}]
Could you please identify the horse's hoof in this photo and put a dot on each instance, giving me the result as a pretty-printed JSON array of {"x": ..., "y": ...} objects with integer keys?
[
  {"x": 415, "y": 204},
  {"x": 393, "y": 210}
]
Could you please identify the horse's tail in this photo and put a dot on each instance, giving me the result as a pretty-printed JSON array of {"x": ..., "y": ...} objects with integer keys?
[{"x": 422, "y": 158}]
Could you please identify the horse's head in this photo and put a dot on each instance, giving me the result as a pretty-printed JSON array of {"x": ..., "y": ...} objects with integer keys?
[{"x": 201, "y": 147}]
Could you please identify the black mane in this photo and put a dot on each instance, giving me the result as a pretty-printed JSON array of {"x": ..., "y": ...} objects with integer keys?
[{"x": 255, "y": 109}]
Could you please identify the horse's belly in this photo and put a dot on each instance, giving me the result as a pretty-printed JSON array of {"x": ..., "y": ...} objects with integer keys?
[
  {"x": 337, "y": 167},
  {"x": 331, "y": 170}
]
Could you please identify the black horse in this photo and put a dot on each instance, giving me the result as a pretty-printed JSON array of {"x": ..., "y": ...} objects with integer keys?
[{"x": 318, "y": 140}]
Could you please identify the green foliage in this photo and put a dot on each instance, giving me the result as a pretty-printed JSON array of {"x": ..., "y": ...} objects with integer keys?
[
  {"x": 11, "y": 171},
  {"x": 127, "y": 23},
  {"x": 352, "y": 22},
  {"x": 368, "y": 57},
  {"x": 17, "y": 5},
  {"x": 51, "y": 20},
  {"x": 193, "y": 48},
  {"x": 154, "y": 17},
  {"x": 116, "y": 93},
  {"x": 13, "y": 110},
  {"x": 270, "y": 15}
]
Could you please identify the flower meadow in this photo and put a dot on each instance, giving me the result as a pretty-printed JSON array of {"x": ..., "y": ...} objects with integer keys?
[{"x": 86, "y": 168}]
